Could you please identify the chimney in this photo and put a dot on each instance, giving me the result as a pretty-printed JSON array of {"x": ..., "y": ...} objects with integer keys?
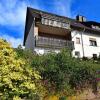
[{"x": 80, "y": 18}]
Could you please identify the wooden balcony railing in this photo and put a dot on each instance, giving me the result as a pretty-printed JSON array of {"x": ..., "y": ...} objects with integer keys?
[{"x": 46, "y": 42}]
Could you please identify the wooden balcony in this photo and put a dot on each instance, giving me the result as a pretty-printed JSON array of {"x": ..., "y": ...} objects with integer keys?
[{"x": 53, "y": 43}]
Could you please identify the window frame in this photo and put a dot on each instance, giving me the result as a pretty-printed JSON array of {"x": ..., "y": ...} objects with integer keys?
[
  {"x": 93, "y": 42},
  {"x": 78, "y": 40},
  {"x": 77, "y": 53}
]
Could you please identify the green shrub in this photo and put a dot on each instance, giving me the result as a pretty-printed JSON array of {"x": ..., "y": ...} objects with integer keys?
[{"x": 62, "y": 73}]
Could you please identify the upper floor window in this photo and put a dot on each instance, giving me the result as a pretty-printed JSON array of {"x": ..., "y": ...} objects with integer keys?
[
  {"x": 77, "y": 40},
  {"x": 96, "y": 27},
  {"x": 45, "y": 21},
  {"x": 93, "y": 42},
  {"x": 55, "y": 23},
  {"x": 58, "y": 24},
  {"x": 64, "y": 25},
  {"x": 51, "y": 22}
]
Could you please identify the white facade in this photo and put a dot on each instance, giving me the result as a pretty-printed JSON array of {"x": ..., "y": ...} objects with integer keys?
[{"x": 86, "y": 50}]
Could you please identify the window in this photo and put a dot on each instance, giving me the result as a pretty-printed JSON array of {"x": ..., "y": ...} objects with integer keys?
[
  {"x": 64, "y": 25},
  {"x": 93, "y": 42},
  {"x": 77, "y": 53},
  {"x": 58, "y": 24},
  {"x": 51, "y": 22},
  {"x": 77, "y": 40},
  {"x": 45, "y": 21},
  {"x": 55, "y": 23},
  {"x": 94, "y": 56},
  {"x": 96, "y": 27}
]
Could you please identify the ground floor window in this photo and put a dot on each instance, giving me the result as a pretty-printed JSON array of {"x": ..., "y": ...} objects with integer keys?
[
  {"x": 77, "y": 53},
  {"x": 94, "y": 56}
]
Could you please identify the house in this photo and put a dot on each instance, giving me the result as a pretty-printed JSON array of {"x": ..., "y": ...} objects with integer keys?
[{"x": 46, "y": 32}]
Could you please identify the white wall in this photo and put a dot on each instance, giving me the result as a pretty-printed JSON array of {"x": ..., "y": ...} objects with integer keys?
[
  {"x": 88, "y": 50},
  {"x": 78, "y": 47}
]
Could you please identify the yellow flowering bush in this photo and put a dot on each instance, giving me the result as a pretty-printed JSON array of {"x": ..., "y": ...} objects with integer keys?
[{"x": 17, "y": 79}]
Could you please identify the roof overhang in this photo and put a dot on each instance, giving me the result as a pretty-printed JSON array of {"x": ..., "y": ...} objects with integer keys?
[{"x": 31, "y": 13}]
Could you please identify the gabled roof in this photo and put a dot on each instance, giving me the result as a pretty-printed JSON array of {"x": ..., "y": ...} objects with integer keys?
[
  {"x": 86, "y": 26},
  {"x": 31, "y": 13},
  {"x": 90, "y": 23},
  {"x": 50, "y": 15}
]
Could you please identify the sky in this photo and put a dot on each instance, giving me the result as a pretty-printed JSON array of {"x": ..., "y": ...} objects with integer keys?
[{"x": 13, "y": 14}]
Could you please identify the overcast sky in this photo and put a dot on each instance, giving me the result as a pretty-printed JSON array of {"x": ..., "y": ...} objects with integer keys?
[{"x": 13, "y": 14}]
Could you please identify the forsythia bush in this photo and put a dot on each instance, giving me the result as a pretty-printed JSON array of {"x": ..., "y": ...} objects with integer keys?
[{"x": 17, "y": 81}]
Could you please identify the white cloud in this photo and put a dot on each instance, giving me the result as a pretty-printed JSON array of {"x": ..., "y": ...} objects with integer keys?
[
  {"x": 60, "y": 7},
  {"x": 13, "y": 13},
  {"x": 13, "y": 41},
  {"x": 63, "y": 7}
]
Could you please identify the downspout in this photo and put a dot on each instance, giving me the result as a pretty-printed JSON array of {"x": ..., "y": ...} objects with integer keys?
[
  {"x": 34, "y": 32},
  {"x": 82, "y": 42}
]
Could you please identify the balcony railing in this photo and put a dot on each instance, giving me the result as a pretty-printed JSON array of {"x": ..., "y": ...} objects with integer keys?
[{"x": 46, "y": 42}]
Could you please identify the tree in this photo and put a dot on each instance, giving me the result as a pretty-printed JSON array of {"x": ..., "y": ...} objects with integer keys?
[{"x": 16, "y": 79}]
